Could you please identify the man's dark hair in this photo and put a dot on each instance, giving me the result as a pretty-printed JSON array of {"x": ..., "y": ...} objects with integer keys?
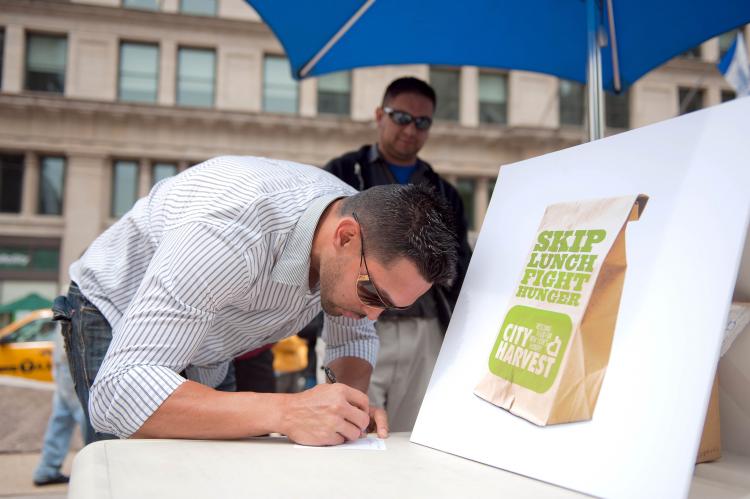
[
  {"x": 410, "y": 221},
  {"x": 409, "y": 85}
]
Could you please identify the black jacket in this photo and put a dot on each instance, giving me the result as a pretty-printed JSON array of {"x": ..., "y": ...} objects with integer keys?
[{"x": 365, "y": 168}]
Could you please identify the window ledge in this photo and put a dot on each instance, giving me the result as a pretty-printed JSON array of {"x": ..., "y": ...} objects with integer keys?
[{"x": 8, "y": 220}]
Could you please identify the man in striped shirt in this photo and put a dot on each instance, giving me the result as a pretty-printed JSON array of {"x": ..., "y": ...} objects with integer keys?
[{"x": 230, "y": 255}]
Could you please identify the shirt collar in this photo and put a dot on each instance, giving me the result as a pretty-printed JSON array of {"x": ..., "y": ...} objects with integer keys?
[
  {"x": 373, "y": 154},
  {"x": 293, "y": 267}
]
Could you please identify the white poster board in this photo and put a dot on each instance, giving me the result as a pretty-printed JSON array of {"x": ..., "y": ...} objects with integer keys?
[{"x": 683, "y": 259}]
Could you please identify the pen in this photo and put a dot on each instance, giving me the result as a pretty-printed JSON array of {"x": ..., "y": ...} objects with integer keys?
[{"x": 329, "y": 374}]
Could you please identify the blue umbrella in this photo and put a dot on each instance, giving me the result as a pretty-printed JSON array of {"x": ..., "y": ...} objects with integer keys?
[{"x": 557, "y": 37}]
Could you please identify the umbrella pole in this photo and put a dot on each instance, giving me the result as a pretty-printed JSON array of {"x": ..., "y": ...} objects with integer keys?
[{"x": 594, "y": 74}]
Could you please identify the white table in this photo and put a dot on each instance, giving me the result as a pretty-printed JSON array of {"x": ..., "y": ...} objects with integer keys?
[{"x": 273, "y": 467}]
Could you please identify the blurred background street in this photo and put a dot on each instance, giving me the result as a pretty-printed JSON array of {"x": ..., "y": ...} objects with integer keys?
[{"x": 26, "y": 406}]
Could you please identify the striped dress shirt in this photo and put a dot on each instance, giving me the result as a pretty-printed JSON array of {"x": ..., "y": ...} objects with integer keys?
[{"x": 214, "y": 262}]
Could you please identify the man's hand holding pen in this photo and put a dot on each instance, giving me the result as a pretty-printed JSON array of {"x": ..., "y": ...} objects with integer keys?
[
  {"x": 330, "y": 414},
  {"x": 378, "y": 416}
]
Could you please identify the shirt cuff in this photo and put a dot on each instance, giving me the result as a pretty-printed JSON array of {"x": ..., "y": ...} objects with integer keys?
[
  {"x": 350, "y": 338},
  {"x": 120, "y": 404}
]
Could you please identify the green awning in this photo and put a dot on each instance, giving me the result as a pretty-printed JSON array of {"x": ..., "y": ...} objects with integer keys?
[{"x": 29, "y": 302}]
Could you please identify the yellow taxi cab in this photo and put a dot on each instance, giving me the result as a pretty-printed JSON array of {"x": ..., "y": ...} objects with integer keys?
[{"x": 26, "y": 346}]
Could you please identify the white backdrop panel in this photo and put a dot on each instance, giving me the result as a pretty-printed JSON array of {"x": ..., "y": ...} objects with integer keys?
[{"x": 683, "y": 259}]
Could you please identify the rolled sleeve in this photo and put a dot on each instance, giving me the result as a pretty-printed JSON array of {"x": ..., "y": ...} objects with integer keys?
[
  {"x": 346, "y": 337},
  {"x": 119, "y": 405}
]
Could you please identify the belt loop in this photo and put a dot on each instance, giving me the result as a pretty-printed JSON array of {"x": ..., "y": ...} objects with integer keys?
[{"x": 61, "y": 309}]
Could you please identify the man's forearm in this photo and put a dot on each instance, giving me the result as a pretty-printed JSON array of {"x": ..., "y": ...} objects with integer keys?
[
  {"x": 196, "y": 411},
  {"x": 323, "y": 415}
]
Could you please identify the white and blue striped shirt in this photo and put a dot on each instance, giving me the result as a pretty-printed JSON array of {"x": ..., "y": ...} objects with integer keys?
[{"x": 212, "y": 263}]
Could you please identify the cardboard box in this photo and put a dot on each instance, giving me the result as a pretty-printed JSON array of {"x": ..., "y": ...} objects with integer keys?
[
  {"x": 734, "y": 392},
  {"x": 710, "y": 447}
]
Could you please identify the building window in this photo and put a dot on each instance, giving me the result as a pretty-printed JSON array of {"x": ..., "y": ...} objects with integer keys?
[
  {"x": 279, "y": 88},
  {"x": 139, "y": 72},
  {"x": 493, "y": 98},
  {"x": 617, "y": 110},
  {"x": 160, "y": 171},
  {"x": 571, "y": 102},
  {"x": 11, "y": 182},
  {"x": 727, "y": 95},
  {"x": 51, "y": 183},
  {"x": 693, "y": 53},
  {"x": 124, "y": 187},
  {"x": 691, "y": 99},
  {"x": 466, "y": 188},
  {"x": 45, "y": 62},
  {"x": 334, "y": 93},
  {"x": 446, "y": 84},
  {"x": 195, "y": 77},
  {"x": 141, "y": 4},
  {"x": 198, "y": 7}
]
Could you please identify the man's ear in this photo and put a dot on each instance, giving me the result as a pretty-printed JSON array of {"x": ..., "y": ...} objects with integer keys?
[
  {"x": 379, "y": 113},
  {"x": 346, "y": 234}
]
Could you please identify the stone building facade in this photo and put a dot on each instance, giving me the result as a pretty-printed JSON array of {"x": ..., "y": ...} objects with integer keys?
[{"x": 100, "y": 98}]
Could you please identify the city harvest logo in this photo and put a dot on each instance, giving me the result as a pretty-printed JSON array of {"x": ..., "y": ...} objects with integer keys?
[{"x": 529, "y": 349}]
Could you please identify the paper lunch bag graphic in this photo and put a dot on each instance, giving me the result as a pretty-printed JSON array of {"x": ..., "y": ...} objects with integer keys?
[{"x": 551, "y": 353}]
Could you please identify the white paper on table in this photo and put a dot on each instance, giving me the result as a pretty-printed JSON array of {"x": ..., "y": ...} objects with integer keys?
[{"x": 368, "y": 443}]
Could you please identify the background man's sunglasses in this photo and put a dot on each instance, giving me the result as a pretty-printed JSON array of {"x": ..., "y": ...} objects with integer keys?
[{"x": 403, "y": 118}]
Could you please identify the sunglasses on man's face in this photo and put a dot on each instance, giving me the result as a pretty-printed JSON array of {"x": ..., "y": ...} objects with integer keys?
[
  {"x": 403, "y": 118},
  {"x": 367, "y": 292}
]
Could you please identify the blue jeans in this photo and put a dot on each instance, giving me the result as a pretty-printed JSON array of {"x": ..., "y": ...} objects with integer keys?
[
  {"x": 87, "y": 336},
  {"x": 66, "y": 413}
]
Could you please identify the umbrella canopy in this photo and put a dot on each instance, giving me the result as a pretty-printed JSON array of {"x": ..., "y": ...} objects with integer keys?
[
  {"x": 547, "y": 36},
  {"x": 31, "y": 301}
]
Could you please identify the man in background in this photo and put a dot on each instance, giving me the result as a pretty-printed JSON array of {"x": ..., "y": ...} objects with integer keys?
[
  {"x": 66, "y": 414},
  {"x": 410, "y": 339}
]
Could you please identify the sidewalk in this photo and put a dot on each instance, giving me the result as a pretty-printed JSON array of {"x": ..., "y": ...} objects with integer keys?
[
  {"x": 15, "y": 477},
  {"x": 26, "y": 408}
]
